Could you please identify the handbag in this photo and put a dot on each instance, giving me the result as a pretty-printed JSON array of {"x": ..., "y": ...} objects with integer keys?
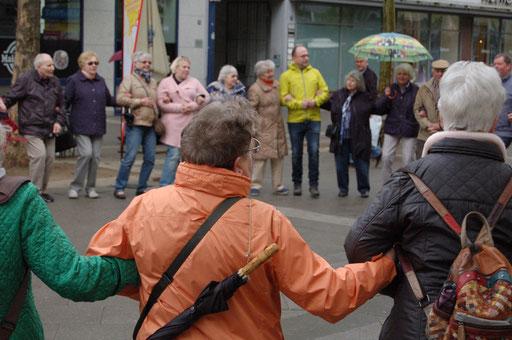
[
  {"x": 168, "y": 275},
  {"x": 64, "y": 141},
  {"x": 128, "y": 116},
  {"x": 332, "y": 130},
  {"x": 158, "y": 126}
]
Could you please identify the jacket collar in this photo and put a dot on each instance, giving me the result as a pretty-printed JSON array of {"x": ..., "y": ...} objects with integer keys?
[
  {"x": 214, "y": 181},
  {"x": 264, "y": 86},
  {"x": 294, "y": 66},
  {"x": 82, "y": 77},
  {"x": 485, "y": 144}
]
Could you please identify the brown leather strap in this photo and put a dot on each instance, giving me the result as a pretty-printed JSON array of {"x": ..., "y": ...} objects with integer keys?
[
  {"x": 8, "y": 324},
  {"x": 9, "y": 185},
  {"x": 500, "y": 205},
  {"x": 434, "y": 201}
]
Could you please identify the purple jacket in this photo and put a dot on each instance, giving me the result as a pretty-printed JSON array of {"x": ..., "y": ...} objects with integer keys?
[
  {"x": 88, "y": 99},
  {"x": 400, "y": 120}
]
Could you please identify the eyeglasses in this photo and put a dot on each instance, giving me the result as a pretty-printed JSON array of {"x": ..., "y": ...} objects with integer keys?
[
  {"x": 90, "y": 63},
  {"x": 255, "y": 146},
  {"x": 145, "y": 62}
]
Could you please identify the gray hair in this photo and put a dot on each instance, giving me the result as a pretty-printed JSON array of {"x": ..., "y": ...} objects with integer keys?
[
  {"x": 38, "y": 60},
  {"x": 178, "y": 62},
  {"x": 140, "y": 55},
  {"x": 407, "y": 68},
  {"x": 225, "y": 71},
  {"x": 358, "y": 76},
  {"x": 219, "y": 133},
  {"x": 471, "y": 97},
  {"x": 4, "y": 131},
  {"x": 263, "y": 66},
  {"x": 505, "y": 57}
]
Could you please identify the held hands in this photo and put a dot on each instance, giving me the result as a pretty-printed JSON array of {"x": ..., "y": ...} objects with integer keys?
[
  {"x": 56, "y": 128},
  {"x": 389, "y": 93},
  {"x": 434, "y": 127},
  {"x": 422, "y": 113},
  {"x": 200, "y": 100},
  {"x": 166, "y": 100},
  {"x": 318, "y": 93},
  {"x": 148, "y": 102},
  {"x": 3, "y": 108},
  {"x": 288, "y": 98},
  {"x": 308, "y": 103},
  {"x": 186, "y": 108}
]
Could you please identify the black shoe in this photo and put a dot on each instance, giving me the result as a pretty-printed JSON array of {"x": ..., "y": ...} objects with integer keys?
[
  {"x": 297, "y": 190},
  {"x": 47, "y": 198},
  {"x": 365, "y": 194},
  {"x": 141, "y": 192},
  {"x": 120, "y": 194},
  {"x": 314, "y": 191}
]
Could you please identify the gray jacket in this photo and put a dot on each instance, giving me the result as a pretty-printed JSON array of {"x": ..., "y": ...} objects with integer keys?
[
  {"x": 37, "y": 100},
  {"x": 504, "y": 127}
]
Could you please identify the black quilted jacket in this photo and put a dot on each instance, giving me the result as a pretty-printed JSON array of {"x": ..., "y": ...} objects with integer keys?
[{"x": 465, "y": 175}]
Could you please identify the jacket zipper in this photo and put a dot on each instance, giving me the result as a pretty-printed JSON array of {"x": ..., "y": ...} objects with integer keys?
[{"x": 305, "y": 93}]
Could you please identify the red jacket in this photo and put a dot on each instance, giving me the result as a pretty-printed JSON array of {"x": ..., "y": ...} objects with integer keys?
[{"x": 156, "y": 226}]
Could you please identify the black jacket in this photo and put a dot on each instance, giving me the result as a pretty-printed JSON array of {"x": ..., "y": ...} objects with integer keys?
[
  {"x": 466, "y": 175},
  {"x": 360, "y": 109},
  {"x": 400, "y": 110},
  {"x": 36, "y": 104},
  {"x": 370, "y": 82}
]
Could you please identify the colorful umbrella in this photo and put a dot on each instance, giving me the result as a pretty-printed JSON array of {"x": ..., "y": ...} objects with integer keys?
[{"x": 390, "y": 47}]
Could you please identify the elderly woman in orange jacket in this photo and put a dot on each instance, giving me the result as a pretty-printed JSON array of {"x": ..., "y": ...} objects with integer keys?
[{"x": 217, "y": 145}]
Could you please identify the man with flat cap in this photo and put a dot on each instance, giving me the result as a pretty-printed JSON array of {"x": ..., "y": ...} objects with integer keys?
[{"x": 425, "y": 106}]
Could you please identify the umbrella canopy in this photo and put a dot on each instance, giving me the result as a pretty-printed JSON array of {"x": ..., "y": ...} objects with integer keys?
[
  {"x": 213, "y": 299},
  {"x": 116, "y": 56},
  {"x": 390, "y": 47}
]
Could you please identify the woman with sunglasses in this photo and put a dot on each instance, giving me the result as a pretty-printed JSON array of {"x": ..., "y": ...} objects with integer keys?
[
  {"x": 138, "y": 92},
  {"x": 88, "y": 95},
  {"x": 218, "y": 147}
]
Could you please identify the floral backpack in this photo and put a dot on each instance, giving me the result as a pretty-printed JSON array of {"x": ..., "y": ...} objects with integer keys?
[{"x": 475, "y": 301}]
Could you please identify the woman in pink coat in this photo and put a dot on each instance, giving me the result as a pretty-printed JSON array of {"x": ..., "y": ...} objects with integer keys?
[{"x": 179, "y": 97}]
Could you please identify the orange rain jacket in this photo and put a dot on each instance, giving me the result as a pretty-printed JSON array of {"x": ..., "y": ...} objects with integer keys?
[{"x": 156, "y": 226}]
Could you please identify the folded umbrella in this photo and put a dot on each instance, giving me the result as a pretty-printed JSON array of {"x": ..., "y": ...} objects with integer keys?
[{"x": 213, "y": 299}]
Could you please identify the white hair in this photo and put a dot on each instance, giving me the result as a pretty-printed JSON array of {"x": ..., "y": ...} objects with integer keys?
[
  {"x": 138, "y": 56},
  {"x": 358, "y": 76},
  {"x": 225, "y": 71},
  {"x": 38, "y": 60},
  {"x": 407, "y": 68},
  {"x": 263, "y": 66},
  {"x": 471, "y": 97}
]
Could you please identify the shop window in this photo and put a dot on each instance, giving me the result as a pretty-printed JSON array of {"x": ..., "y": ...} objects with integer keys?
[
  {"x": 60, "y": 36},
  {"x": 485, "y": 40},
  {"x": 506, "y": 35},
  {"x": 320, "y": 14}
]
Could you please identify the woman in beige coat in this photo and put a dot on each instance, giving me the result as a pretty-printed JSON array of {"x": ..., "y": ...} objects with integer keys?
[
  {"x": 265, "y": 98},
  {"x": 138, "y": 92}
]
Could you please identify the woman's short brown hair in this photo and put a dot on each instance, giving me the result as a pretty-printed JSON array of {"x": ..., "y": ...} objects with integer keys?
[
  {"x": 86, "y": 55},
  {"x": 219, "y": 133}
]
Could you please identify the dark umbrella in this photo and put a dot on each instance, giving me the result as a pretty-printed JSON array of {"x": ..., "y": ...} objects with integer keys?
[
  {"x": 213, "y": 298},
  {"x": 117, "y": 56}
]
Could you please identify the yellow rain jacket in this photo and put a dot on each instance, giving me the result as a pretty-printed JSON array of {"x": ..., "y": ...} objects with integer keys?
[
  {"x": 155, "y": 227},
  {"x": 303, "y": 84}
]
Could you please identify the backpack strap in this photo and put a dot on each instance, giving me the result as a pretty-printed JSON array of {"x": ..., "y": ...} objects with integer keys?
[
  {"x": 500, "y": 205},
  {"x": 9, "y": 185},
  {"x": 434, "y": 201},
  {"x": 8, "y": 324},
  {"x": 168, "y": 275}
]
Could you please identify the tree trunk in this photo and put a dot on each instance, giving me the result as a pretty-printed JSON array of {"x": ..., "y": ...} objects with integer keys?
[
  {"x": 388, "y": 25},
  {"x": 27, "y": 47}
]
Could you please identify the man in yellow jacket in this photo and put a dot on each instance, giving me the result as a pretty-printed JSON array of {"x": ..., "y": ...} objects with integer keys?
[{"x": 303, "y": 90}]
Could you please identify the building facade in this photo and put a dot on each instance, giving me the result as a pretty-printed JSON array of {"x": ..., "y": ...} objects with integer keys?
[{"x": 213, "y": 33}]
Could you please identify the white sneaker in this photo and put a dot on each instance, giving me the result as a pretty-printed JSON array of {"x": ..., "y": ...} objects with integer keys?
[
  {"x": 72, "y": 194},
  {"x": 91, "y": 193}
]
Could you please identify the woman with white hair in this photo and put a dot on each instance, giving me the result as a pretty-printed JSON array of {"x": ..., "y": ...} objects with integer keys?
[
  {"x": 31, "y": 242},
  {"x": 350, "y": 109},
  {"x": 180, "y": 97},
  {"x": 464, "y": 166},
  {"x": 138, "y": 92},
  {"x": 227, "y": 84},
  {"x": 397, "y": 102},
  {"x": 265, "y": 98}
]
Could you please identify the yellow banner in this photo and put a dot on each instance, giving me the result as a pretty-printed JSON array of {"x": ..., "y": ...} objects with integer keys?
[{"x": 131, "y": 22}]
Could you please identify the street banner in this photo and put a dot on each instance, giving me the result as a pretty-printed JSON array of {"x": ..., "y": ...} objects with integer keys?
[{"x": 132, "y": 10}]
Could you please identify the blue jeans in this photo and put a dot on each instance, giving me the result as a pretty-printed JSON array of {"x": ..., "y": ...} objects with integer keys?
[
  {"x": 310, "y": 130},
  {"x": 506, "y": 140},
  {"x": 135, "y": 136},
  {"x": 362, "y": 169},
  {"x": 172, "y": 160}
]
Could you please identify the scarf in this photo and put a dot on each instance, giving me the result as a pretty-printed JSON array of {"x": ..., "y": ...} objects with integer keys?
[
  {"x": 345, "y": 119},
  {"x": 145, "y": 75}
]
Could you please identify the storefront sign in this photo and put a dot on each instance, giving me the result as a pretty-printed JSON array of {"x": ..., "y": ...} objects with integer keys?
[
  {"x": 497, "y": 2},
  {"x": 8, "y": 57}
]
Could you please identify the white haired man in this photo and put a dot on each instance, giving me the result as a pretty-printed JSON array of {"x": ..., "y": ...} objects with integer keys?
[
  {"x": 40, "y": 117},
  {"x": 464, "y": 165},
  {"x": 502, "y": 64}
]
